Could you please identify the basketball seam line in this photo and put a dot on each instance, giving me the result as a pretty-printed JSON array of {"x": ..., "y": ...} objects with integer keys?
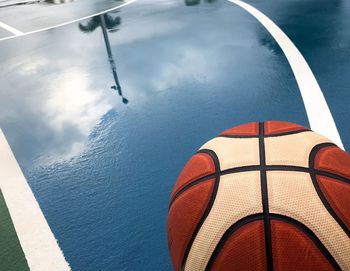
[
  {"x": 332, "y": 175},
  {"x": 207, "y": 209},
  {"x": 194, "y": 183},
  {"x": 320, "y": 194},
  {"x": 232, "y": 171},
  {"x": 272, "y": 135},
  {"x": 264, "y": 197},
  {"x": 256, "y": 168}
]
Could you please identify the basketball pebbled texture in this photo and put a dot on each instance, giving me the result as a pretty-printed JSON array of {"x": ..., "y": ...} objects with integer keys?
[{"x": 262, "y": 196}]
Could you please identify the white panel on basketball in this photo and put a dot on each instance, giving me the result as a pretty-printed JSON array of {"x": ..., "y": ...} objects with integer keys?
[
  {"x": 293, "y": 194},
  {"x": 238, "y": 195},
  {"x": 235, "y": 152},
  {"x": 293, "y": 150}
]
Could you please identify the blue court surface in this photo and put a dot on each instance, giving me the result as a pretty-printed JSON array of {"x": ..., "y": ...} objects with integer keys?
[{"x": 102, "y": 112}]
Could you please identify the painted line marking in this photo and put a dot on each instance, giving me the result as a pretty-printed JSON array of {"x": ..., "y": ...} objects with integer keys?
[
  {"x": 35, "y": 236},
  {"x": 11, "y": 29},
  {"x": 318, "y": 112},
  {"x": 68, "y": 22},
  {"x": 18, "y": 3}
]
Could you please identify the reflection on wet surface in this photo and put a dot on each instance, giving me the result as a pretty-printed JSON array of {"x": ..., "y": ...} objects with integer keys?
[
  {"x": 45, "y": 14},
  {"x": 101, "y": 167},
  {"x": 108, "y": 24},
  {"x": 197, "y": 2}
]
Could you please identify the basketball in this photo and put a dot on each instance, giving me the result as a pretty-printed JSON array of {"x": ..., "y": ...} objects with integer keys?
[{"x": 262, "y": 196}]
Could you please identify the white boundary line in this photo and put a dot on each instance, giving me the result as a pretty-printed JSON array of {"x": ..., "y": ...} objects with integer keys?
[
  {"x": 319, "y": 115},
  {"x": 11, "y": 29},
  {"x": 23, "y": 2},
  {"x": 69, "y": 22},
  {"x": 38, "y": 242}
]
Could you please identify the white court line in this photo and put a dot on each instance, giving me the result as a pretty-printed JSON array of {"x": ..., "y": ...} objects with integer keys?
[
  {"x": 319, "y": 115},
  {"x": 38, "y": 242},
  {"x": 23, "y": 2},
  {"x": 11, "y": 29},
  {"x": 69, "y": 22}
]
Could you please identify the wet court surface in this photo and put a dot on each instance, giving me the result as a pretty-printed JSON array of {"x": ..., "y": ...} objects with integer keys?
[
  {"x": 102, "y": 114},
  {"x": 31, "y": 17}
]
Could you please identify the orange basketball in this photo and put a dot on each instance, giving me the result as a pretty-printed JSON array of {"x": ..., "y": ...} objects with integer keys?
[{"x": 262, "y": 196}]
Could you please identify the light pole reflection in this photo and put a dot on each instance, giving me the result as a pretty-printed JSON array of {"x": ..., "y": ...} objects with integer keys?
[{"x": 107, "y": 24}]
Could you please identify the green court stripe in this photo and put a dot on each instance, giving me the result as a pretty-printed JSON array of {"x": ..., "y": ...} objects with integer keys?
[{"x": 11, "y": 254}]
